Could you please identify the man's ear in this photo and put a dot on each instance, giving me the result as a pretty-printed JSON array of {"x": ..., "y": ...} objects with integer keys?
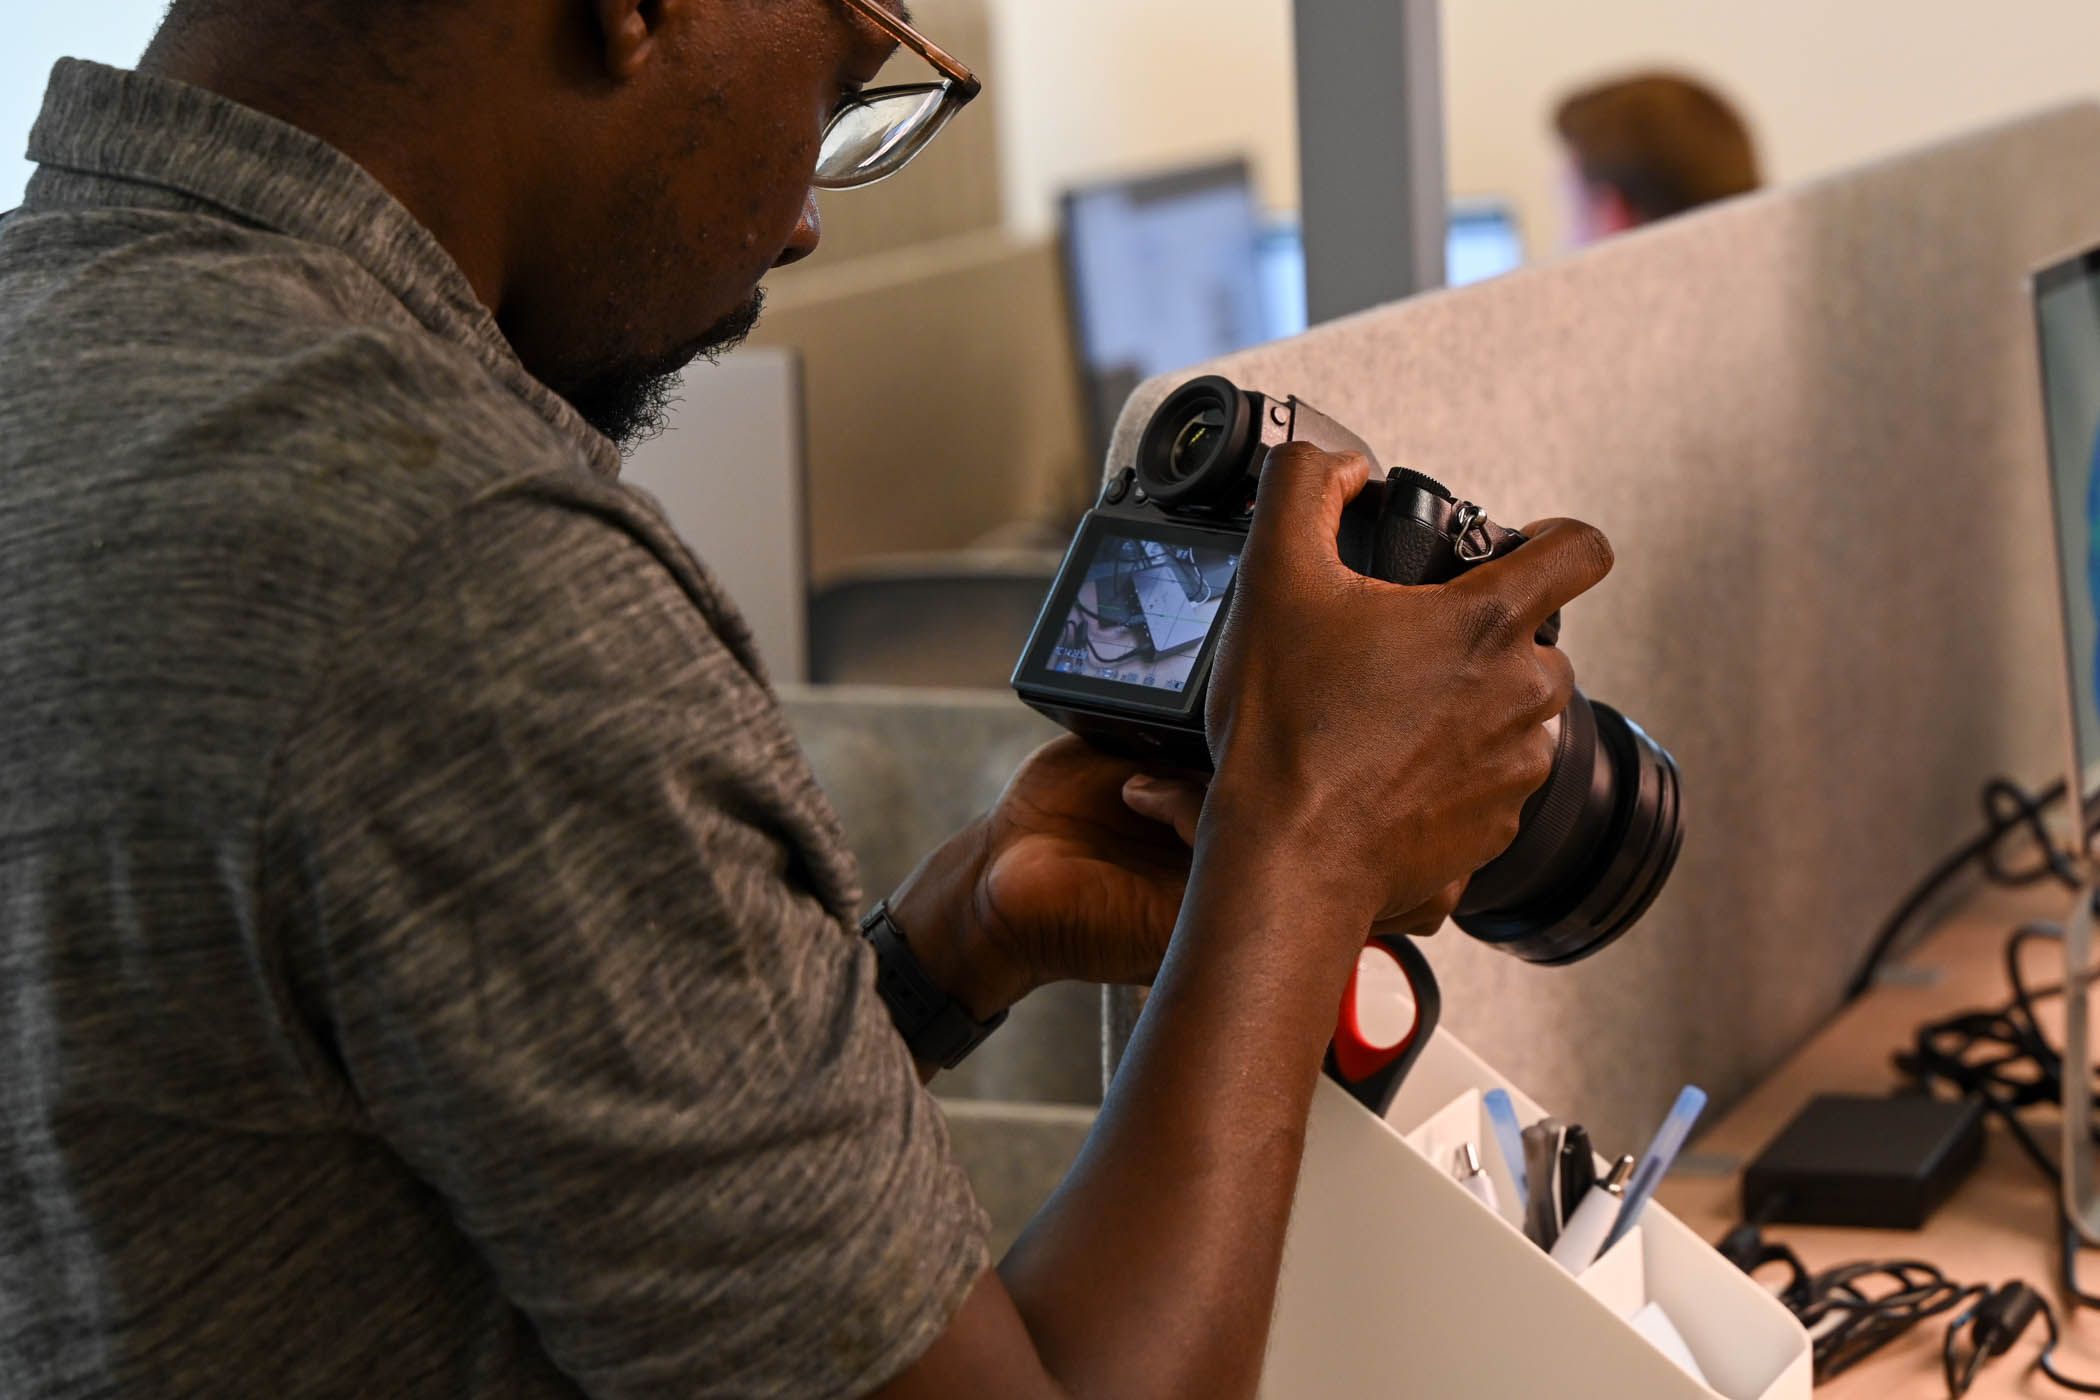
[
  {"x": 628, "y": 31},
  {"x": 1614, "y": 213}
]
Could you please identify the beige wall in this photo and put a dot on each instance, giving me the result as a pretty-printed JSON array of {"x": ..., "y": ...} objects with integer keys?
[
  {"x": 1828, "y": 83},
  {"x": 1101, "y": 87},
  {"x": 1087, "y": 86}
]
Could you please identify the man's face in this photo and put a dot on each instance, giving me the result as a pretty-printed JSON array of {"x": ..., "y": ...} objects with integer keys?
[{"x": 685, "y": 180}]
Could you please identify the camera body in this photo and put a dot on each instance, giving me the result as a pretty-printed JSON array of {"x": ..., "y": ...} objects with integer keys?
[{"x": 1123, "y": 651}]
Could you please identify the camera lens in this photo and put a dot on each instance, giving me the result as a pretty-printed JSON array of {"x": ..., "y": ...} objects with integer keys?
[
  {"x": 1201, "y": 449},
  {"x": 1595, "y": 846}
]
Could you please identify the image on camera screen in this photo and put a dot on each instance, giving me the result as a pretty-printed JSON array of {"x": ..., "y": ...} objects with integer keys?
[{"x": 1143, "y": 612}]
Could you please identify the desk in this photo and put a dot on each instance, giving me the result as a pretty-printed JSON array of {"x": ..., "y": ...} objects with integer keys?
[{"x": 2000, "y": 1225}]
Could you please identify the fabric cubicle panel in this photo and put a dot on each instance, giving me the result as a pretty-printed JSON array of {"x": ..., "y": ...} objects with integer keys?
[{"x": 1810, "y": 422}]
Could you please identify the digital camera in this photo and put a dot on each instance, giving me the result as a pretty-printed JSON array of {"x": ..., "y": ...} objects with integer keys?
[{"x": 1123, "y": 650}]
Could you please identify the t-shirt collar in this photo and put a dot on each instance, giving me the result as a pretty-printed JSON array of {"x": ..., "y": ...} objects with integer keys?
[{"x": 149, "y": 130}]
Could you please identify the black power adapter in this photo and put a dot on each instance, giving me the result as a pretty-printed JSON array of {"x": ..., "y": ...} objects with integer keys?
[{"x": 1876, "y": 1163}]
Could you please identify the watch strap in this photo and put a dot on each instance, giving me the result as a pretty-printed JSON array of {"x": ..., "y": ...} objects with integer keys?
[{"x": 934, "y": 1024}]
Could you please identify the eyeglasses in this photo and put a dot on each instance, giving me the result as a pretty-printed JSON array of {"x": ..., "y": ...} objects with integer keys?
[{"x": 875, "y": 134}]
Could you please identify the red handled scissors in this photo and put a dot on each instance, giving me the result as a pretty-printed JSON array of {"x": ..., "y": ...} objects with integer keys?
[{"x": 1378, "y": 1039}]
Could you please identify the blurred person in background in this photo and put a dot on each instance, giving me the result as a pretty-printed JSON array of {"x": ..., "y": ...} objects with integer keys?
[{"x": 1647, "y": 147}]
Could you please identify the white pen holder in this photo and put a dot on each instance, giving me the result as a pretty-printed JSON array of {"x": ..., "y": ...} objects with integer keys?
[{"x": 1396, "y": 1281}]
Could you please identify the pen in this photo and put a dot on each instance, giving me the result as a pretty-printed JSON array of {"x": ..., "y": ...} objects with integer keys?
[
  {"x": 1582, "y": 1243},
  {"x": 1669, "y": 1141},
  {"x": 1509, "y": 1136},
  {"x": 1578, "y": 1170},
  {"x": 1465, "y": 1165}
]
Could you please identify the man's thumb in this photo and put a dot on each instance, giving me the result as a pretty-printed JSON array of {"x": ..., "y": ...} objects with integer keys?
[{"x": 1167, "y": 801}]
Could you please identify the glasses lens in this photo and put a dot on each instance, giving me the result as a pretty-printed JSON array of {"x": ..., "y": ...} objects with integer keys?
[{"x": 871, "y": 140}]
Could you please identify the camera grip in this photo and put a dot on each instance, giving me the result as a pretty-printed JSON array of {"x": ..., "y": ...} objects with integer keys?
[{"x": 1408, "y": 550}]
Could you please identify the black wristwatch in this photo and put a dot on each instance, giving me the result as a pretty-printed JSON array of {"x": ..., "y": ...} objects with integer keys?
[{"x": 933, "y": 1024}]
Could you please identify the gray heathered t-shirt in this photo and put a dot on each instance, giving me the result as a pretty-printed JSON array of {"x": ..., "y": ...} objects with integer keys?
[{"x": 425, "y": 957}]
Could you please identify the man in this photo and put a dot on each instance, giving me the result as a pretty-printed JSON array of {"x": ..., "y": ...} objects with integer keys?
[
  {"x": 431, "y": 968},
  {"x": 1649, "y": 147}
]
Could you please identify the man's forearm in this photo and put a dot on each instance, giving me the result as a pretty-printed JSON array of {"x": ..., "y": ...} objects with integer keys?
[{"x": 1153, "y": 1269}]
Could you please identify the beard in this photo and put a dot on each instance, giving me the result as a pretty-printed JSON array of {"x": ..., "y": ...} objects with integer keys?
[{"x": 631, "y": 401}]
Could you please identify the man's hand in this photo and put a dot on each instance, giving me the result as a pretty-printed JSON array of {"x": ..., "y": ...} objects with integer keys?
[
  {"x": 1076, "y": 875},
  {"x": 1381, "y": 740}
]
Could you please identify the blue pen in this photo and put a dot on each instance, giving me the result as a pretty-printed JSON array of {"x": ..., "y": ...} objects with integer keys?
[
  {"x": 1655, "y": 1163},
  {"x": 1509, "y": 1136}
]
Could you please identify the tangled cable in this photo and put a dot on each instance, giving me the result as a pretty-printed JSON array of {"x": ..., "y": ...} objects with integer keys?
[
  {"x": 2007, "y": 808},
  {"x": 1999, "y": 1056},
  {"x": 1847, "y": 1316}
]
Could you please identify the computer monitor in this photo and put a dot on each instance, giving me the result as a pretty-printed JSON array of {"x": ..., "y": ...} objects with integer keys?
[
  {"x": 1485, "y": 242},
  {"x": 1162, "y": 274},
  {"x": 1174, "y": 270},
  {"x": 2067, "y": 314}
]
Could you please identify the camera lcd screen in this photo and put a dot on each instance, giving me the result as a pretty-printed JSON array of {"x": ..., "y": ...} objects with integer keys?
[{"x": 1136, "y": 608}]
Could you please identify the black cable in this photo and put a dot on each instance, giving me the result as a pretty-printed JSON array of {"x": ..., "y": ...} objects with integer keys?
[
  {"x": 1850, "y": 1323},
  {"x": 1998, "y": 1318},
  {"x": 2023, "y": 1069},
  {"x": 2007, "y": 807},
  {"x": 2001, "y": 1057}
]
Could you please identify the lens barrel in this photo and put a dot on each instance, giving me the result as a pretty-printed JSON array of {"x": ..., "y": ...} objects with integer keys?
[{"x": 1594, "y": 848}]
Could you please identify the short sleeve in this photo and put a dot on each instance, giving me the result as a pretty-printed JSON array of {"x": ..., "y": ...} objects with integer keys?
[{"x": 557, "y": 890}]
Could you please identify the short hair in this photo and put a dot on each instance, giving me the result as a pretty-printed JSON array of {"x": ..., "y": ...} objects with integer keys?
[
  {"x": 1665, "y": 142},
  {"x": 358, "y": 14}
]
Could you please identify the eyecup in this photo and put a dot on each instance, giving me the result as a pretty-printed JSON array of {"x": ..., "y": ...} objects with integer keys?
[{"x": 1223, "y": 478}]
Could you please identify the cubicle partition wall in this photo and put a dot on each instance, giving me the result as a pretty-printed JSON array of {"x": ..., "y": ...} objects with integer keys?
[
  {"x": 1809, "y": 421},
  {"x": 941, "y": 394},
  {"x": 728, "y": 472}
]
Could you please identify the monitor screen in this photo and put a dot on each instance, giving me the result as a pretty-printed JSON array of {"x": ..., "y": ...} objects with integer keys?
[
  {"x": 1484, "y": 243},
  {"x": 1163, "y": 275},
  {"x": 2067, "y": 308},
  {"x": 1180, "y": 269},
  {"x": 1145, "y": 607}
]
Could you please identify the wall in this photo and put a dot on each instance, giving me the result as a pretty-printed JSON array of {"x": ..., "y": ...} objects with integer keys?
[
  {"x": 1093, "y": 87},
  {"x": 1830, "y": 83},
  {"x": 1089, "y": 88}
]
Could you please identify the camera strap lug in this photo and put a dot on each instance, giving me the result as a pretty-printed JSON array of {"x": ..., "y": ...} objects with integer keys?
[{"x": 1465, "y": 519}]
